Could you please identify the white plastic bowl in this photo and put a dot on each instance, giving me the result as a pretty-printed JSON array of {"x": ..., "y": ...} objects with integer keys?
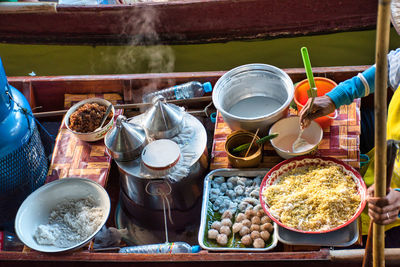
[
  {"x": 288, "y": 130},
  {"x": 96, "y": 135},
  {"x": 36, "y": 208}
]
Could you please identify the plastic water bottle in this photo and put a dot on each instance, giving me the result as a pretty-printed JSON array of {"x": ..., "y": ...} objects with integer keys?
[
  {"x": 170, "y": 248},
  {"x": 181, "y": 91},
  {"x": 10, "y": 242}
]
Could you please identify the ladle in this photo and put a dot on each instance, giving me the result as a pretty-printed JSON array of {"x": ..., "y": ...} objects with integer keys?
[
  {"x": 108, "y": 110},
  {"x": 312, "y": 92}
]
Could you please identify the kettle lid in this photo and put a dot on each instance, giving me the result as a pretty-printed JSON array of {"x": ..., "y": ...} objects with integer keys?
[
  {"x": 125, "y": 136},
  {"x": 163, "y": 120}
]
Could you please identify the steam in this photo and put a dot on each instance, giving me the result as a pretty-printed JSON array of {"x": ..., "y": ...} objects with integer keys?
[{"x": 140, "y": 26}]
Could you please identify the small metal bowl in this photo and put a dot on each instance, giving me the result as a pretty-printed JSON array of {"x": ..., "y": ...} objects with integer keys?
[{"x": 238, "y": 138}]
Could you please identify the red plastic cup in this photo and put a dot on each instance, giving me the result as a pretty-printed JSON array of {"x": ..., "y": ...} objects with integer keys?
[{"x": 324, "y": 85}]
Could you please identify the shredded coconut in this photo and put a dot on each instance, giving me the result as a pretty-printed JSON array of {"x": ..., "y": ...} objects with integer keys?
[{"x": 71, "y": 222}]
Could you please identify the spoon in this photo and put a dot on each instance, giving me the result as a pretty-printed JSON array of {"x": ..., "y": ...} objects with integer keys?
[
  {"x": 104, "y": 117},
  {"x": 312, "y": 92}
]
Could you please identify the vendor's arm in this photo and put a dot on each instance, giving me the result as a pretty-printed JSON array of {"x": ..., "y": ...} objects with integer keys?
[{"x": 344, "y": 94}]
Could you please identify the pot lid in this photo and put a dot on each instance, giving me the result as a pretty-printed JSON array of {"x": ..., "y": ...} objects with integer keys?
[
  {"x": 161, "y": 154},
  {"x": 125, "y": 136},
  {"x": 163, "y": 120}
]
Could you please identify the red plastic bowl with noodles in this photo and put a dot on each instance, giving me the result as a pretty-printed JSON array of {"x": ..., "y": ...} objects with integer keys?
[{"x": 313, "y": 173}]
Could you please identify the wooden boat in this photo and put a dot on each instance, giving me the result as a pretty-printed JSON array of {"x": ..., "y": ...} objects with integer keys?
[
  {"x": 180, "y": 21},
  {"x": 48, "y": 92}
]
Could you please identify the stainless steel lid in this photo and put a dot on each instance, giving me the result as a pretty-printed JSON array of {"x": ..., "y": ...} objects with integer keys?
[
  {"x": 125, "y": 141},
  {"x": 163, "y": 120}
]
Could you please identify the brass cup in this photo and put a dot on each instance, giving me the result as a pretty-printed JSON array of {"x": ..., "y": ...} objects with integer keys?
[{"x": 238, "y": 138}]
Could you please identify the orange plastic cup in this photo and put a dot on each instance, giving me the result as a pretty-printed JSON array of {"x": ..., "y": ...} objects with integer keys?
[{"x": 324, "y": 85}]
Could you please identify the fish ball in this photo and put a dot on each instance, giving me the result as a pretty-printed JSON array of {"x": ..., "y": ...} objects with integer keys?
[
  {"x": 246, "y": 240},
  {"x": 260, "y": 213},
  {"x": 240, "y": 217},
  {"x": 255, "y": 234},
  {"x": 222, "y": 239},
  {"x": 246, "y": 222},
  {"x": 258, "y": 243},
  {"x": 225, "y": 230},
  {"x": 248, "y": 213},
  {"x": 227, "y": 214},
  {"x": 254, "y": 227},
  {"x": 216, "y": 225},
  {"x": 267, "y": 227},
  {"x": 265, "y": 219},
  {"x": 265, "y": 235},
  {"x": 226, "y": 222},
  {"x": 236, "y": 227},
  {"x": 255, "y": 220},
  {"x": 244, "y": 231},
  {"x": 212, "y": 234},
  {"x": 253, "y": 212}
]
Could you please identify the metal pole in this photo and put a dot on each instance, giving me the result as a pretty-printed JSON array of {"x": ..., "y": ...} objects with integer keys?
[{"x": 382, "y": 44}]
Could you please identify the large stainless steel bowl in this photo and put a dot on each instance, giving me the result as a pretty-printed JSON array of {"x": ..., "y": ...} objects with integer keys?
[{"x": 253, "y": 80}]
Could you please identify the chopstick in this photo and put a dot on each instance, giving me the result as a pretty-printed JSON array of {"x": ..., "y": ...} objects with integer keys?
[{"x": 252, "y": 141}]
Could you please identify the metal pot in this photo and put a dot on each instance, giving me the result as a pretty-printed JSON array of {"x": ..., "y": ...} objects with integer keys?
[
  {"x": 139, "y": 191},
  {"x": 253, "y": 80}
]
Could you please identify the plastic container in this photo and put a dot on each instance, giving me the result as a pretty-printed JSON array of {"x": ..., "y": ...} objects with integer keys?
[
  {"x": 182, "y": 91},
  {"x": 10, "y": 242},
  {"x": 324, "y": 85},
  {"x": 170, "y": 248}
]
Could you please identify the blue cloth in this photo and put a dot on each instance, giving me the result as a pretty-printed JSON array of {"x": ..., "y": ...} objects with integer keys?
[{"x": 353, "y": 88}]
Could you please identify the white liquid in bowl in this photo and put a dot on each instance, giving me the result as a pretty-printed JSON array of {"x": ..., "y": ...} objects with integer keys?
[
  {"x": 255, "y": 106},
  {"x": 285, "y": 143}
]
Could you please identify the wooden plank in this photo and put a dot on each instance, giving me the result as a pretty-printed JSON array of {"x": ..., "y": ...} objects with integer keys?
[
  {"x": 49, "y": 91},
  {"x": 187, "y": 21}
]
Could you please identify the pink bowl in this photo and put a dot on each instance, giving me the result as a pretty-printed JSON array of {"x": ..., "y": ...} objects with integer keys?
[{"x": 302, "y": 161}]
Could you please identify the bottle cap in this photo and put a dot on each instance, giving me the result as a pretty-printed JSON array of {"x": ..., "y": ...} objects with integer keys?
[
  {"x": 196, "y": 249},
  {"x": 207, "y": 87}
]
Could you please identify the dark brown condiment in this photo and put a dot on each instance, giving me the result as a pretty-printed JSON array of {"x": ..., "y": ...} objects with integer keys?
[{"x": 87, "y": 118}]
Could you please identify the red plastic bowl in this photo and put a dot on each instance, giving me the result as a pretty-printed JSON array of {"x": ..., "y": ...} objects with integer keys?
[{"x": 296, "y": 162}]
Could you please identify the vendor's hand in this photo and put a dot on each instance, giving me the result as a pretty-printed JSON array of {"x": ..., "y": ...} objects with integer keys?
[
  {"x": 383, "y": 210},
  {"x": 323, "y": 105}
]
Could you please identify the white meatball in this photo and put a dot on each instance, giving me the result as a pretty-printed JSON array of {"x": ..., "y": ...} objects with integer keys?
[
  {"x": 255, "y": 220},
  {"x": 246, "y": 240},
  {"x": 225, "y": 230},
  {"x": 265, "y": 219},
  {"x": 265, "y": 235},
  {"x": 240, "y": 217},
  {"x": 254, "y": 235},
  {"x": 254, "y": 227},
  {"x": 246, "y": 222},
  {"x": 216, "y": 225},
  {"x": 226, "y": 222},
  {"x": 244, "y": 231},
  {"x": 236, "y": 227},
  {"x": 222, "y": 239},
  {"x": 212, "y": 234},
  {"x": 227, "y": 214},
  {"x": 267, "y": 227},
  {"x": 258, "y": 243}
]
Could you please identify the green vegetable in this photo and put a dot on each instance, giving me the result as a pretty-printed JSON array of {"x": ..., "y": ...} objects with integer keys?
[{"x": 259, "y": 142}]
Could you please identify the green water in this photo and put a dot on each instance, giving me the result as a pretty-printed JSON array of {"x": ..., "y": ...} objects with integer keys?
[{"x": 350, "y": 48}]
